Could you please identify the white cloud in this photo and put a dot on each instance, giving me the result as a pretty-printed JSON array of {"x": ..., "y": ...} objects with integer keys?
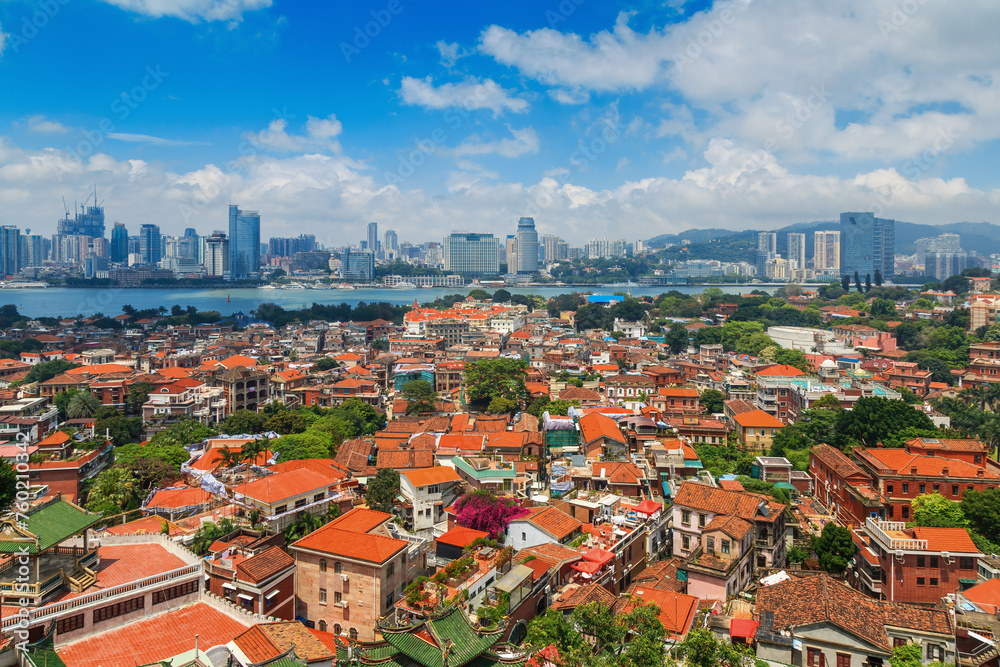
[
  {"x": 43, "y": 125},
  {"x": 149, "y": 139},
  {"x": 321, "y": 135},
  {"x": 3, "y": 39},
  {"x": 522, "y": 141},
  {"x": 470, "y": 94},
  {"x": 450, "y": 52},
  {"x": 333, "y": 195},
  {"x": 786, "y": 79},
  {"x": 193, "y": 11}
]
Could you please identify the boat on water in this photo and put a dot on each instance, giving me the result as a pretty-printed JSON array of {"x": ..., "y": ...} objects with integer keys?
[
  {"x": 269, "y": 287},
  {"x": 404, "y": 285},
  {"x": 21, "y": 284},
  {"x": 345, "y": 286},
  {"x": 294, "y": 286}
]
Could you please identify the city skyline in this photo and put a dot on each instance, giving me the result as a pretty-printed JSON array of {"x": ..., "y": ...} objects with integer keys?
[{"x": 581, "y": 116}]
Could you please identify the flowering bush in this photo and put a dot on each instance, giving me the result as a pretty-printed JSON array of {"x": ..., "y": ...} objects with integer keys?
[{"x": 483, "y": 510}]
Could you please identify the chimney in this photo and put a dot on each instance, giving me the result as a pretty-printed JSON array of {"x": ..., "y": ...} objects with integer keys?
[
  {"x": 913, "y": 470},
  {"x": 979, "y": 473},
  {"x": 944, "y": 472}
]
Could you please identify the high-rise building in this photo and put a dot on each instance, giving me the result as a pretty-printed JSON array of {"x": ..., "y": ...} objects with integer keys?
[
  {"x": 797, "y": 250},
  {"x": 944, "y": 264},
  {"x": 10, "y": 250},
  {"x": 150, "y": 244},
  {"x": 550, "y": 248},
  {"x": 89, "y": 221},
  {"x": 357, "y": 264},
  {"x": 527, "y": 246},
  {"x": 119, "y": 243},
  {"x": 826, "y": 251},
  {"x": 190, "y": 231},
  {"x": 217, "y": 255},
  {"x": 373, "y": 237},
  {"x": 510, "y": 253},
  {"x": 867, "y": 244},
  {"x": 391, "y": 241},
  {"x": 244, "y": 244},
  {"x": 767, "y": 248},
  {"x": 32, "y": 250},
  {"x": 471, "y": 254}
]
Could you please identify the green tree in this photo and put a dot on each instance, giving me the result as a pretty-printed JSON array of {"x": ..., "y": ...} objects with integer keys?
[
  {"x": 252, "y": 449},
  {"x": 982, "y": 509},
  {"x": 538, "y": 406},
  {"x": 172, "y": 455},
  {"x": 208, "y": 533},
  {"x": 878, "y": 278},
  {"x": 875, "y": 419},
  {"x": 677, "y": 338},
  {"x": 244, "y": 422},
  {"x": 119, "y": 429},
  {"x": 136, "y": 396},
  {"x": 303, "y": 525},
  {"x": 310, "y": 444},
  {"x": 496, "y": 378},
  {"x": 828, "y": 401},
  {"x": 183, "y": 433},
  {"x": 834, "y": 548},
  {"x": 845, "y": 282},
  {"x": 933, "y": 509},
  {"x": 82, "y": 405},
  {"x": 712, "y": 400},
  {"x": 8, "y": 486},
  {"x": 501, "y": 406},
  {"x": 882, "y": 309},
  {"x": 115, "y": 490},
  {"x": 421, "y": 396},
  {"x": 701, "y": 648},
  {"x": 48, "y": 370},
  {"x": 285, "y": 422},
  {"x": 560, "y": 407},
  {"x": 797, "y": 555},
  {"x": 382, "y": 490},
  {"x": 501, "y": 296},
  {"x": 62, "y": 399},
  {"x": 553, "y": 627}
]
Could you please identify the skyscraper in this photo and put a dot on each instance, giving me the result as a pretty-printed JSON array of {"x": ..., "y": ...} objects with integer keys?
[
  {"x": 767, "y": 248},
  {"x": 550, "y": 246},
  {"x": 471, "y": 254},
  {"x": 867, "y": 243},
  {"x": 797, "y": 249},
  {"x": 89, "y": 221},
  {"x": 217, "y": 255},
  {"x": 150, "y": 244},
  {"x": 826, "y": 251},
  {"x": 510, "y": 253},
  {"x": 527, "y": 246},
  {"x": 391, "y": 241},
  {"x": 10, "y": 250},
  {"x": 244, "y": 244},
  {"x": 373, "y": 237},
  {"x": 119, "y": 243}
]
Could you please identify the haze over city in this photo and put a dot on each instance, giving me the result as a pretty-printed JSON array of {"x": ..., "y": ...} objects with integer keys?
[{"x": 596, "y": 119}]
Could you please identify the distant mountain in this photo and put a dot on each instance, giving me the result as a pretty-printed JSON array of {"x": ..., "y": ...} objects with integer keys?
[{"x": 982, "y": 237}]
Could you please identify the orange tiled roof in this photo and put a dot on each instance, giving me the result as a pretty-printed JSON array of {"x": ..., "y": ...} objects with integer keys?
[
  {"x": 757, "y": 419},
  {"x": 596, "y": 425},
  {"x": 780, "y": 371},
  {"x": 556, "y": 523},
  {"x": 433, "y": 475},
  {"x": 282, "y": 485},
  {"x": 954, "y": 540},
  {"x": 342, "y": 537}
]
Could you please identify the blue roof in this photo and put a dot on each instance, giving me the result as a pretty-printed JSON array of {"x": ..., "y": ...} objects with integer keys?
[
  {"x": 603, "y": 298},
  {"x": 693, "y": 464},
  {"x": 666, "y": 488}
]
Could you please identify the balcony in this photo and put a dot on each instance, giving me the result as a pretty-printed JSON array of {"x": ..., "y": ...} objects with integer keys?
[{"x": 888, "y": 533}]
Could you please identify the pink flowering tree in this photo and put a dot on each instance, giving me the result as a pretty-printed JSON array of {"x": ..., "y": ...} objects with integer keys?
[{"x": 484, "y": 510}]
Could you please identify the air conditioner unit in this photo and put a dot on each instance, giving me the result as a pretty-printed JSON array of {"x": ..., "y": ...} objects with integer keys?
[
  {"x": 342, "y": 603},
  {"x": 899, "y": 554},
  {"x": 343, "y": 577},
  {"x": 361, "y": 603}
]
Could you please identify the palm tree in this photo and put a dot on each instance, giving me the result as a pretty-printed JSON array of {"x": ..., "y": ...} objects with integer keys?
[
  {"x": 82, "y": 405},
  {"x": 974, "y": 396},
  {"x": 305, "y": 524},
  {"x": 254, "y": 448},
  {"x": 228, "y": 458},
  {"x": 115, "y": 486}
]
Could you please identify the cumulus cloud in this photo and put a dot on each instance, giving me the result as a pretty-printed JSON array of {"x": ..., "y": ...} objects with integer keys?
[
  {"x": 522, "y": 141},
  {"x": 193, "y": 11},
  {"x": 43, "y": 125},
  {"x": 3, "y": 40},
  {"x": 842, "y": 78},
  {"x": 469, "y": 94},
  {"x": 321, "y": 135},
  {"x": 149, "y": 139}
]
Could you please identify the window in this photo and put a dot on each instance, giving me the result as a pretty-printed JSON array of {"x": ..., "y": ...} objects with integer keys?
[
  {"x": 391, "y": 570},
  {"x": 978, "y": 458},
  {"x": 524, "y": 537},
  {"x": 322, "y": 626},
  {"x": 337, "y": 629},
  {"x": 322, "y": 565},
  {"x": 898, "y": 641},
  {"x": 934, "y": 581},
  {"x": 923, "y": 489},
  {"x": 965, "y": 563},
  {"x": 190, "y": 588},
  {"x": 954, "y": 489},
  {"x": 906, "y": 487},
  {"x": 920, "y": 581},
  {"x": 337, "y": 597},
  {"x": 322, "y": 596},
  {"x": 843, "y": 660},
  {"x": 318, "y": 497},
  {"x": 389, "y": 600},
  {"x": 935, "y": 652},
  {"x": 280, "y": 509},
  {"x": 815, "y": 658},
  {"x": 934, "y": 561},
  {"x": 888, "y": 488},
  {"x": 702, "y": 520},
  {"x": 119, "y": 609},
  {"x": 433, "y": 489},
  {"x": 354, "y": 634},
  {"x": 725, "y": 546},
  {"x": 710, "y": 543},
  {"x": 336, "y": 568},
  {"x": 937, "y": 487},
  {"x": 685, "y": 542},
  {"x": 69, "y": 624},
  {"x": 686, "y": 517},
  {"x": 921, "y": 561},
  {"x": 906, "y": 511}
]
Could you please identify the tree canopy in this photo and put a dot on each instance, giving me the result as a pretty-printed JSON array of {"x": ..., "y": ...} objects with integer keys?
[
  {"x": 834, "y": 548},
  {"x": 489, "y": 379}
]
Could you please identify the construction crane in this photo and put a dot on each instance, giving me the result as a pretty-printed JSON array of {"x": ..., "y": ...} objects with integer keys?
[{"x": 64, "y": 207}]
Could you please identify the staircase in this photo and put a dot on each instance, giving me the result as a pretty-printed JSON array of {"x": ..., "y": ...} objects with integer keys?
[
  {"x": 81, "y": 579},
  {"x": 985, "y": 656}
]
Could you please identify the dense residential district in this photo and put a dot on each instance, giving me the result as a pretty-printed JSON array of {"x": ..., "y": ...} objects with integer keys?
[{"x": 807, "y": 478}]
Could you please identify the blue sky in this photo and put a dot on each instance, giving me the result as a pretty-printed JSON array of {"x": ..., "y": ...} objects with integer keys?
[{"x": 599, "y": 119}]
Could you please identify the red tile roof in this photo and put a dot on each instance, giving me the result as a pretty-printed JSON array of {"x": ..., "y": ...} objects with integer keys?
[
  {"x": 953, "y": 540},
  {"x": 556, "y": 523},
  {"x": 435, "y": 475},
  {"x": 265, "y": 565},
  {"x": 780, "y": 371},
  {"x": 155, "y": 639},
  {"x": 677, "y": 610},
  {"x": 460, "y": 536},
  {"x": 595, "y": 426},
  {"x": 283, "y": 485},
  {"x": 337, "y": 538},
  {"x": 757, "y": 419}
]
